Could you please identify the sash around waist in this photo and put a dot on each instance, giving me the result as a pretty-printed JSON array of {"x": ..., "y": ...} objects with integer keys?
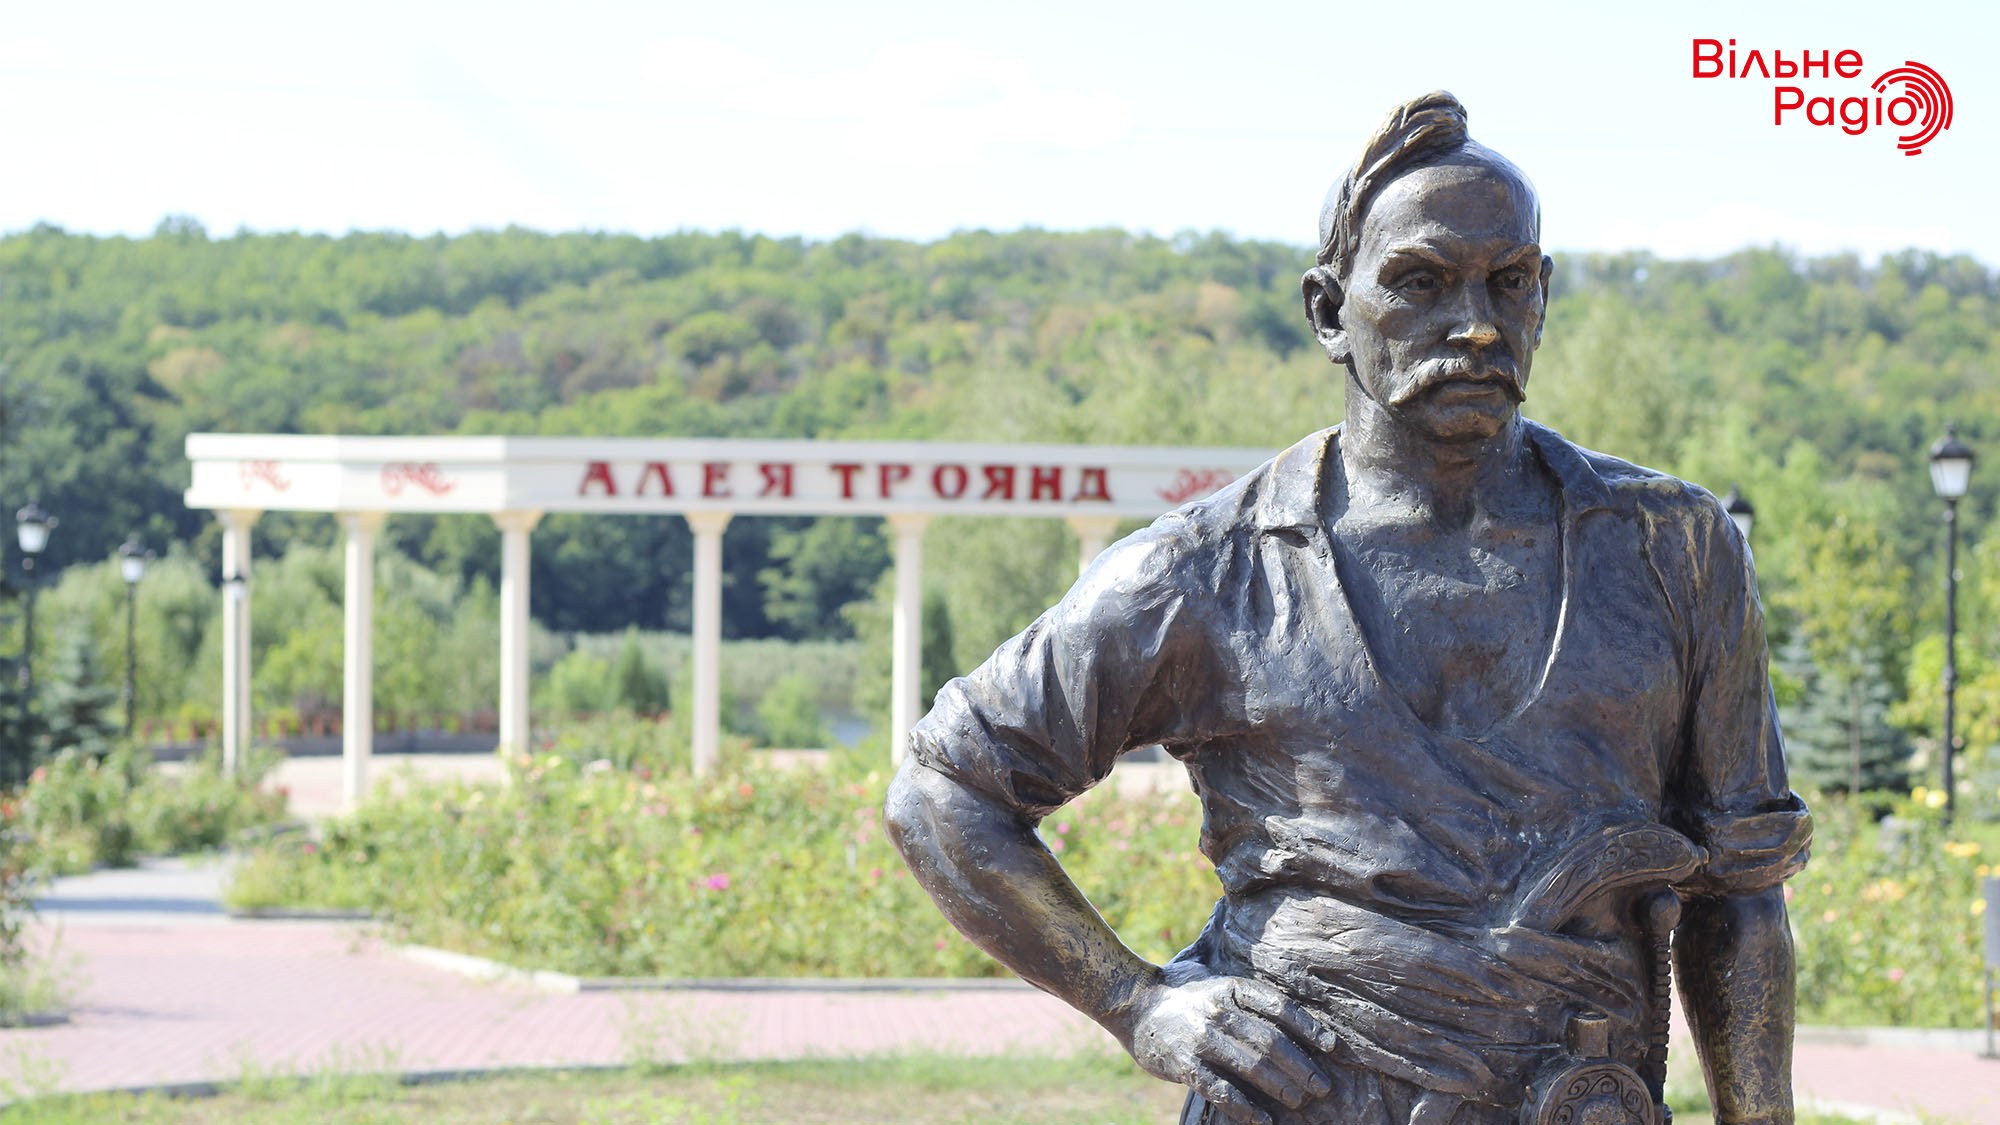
[{"x": 1461, "y": 1010}]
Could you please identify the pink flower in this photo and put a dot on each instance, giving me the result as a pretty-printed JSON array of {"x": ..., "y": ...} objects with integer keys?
[
  {"x": 1895, "y": 976},
  {"x": 939, "y": 945},
  {"x": 1062, "y": 829},
  {"x": 745, "y": 789},
  {"x": 1056, "y": 844},
  {"x": 717, "y": 882},
  {"x": 874, "y": 873}
]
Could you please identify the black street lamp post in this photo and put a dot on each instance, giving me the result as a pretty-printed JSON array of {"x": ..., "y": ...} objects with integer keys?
[
  {"x": 1951, "y": 472},
  {"x": 31, "y": 528},
  {"x": 1741, "y": 511},
  {"x": 132, "y": 560}
]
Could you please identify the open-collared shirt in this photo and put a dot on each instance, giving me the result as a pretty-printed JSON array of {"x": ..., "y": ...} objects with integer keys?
[{"x": 1371, "y": 865}]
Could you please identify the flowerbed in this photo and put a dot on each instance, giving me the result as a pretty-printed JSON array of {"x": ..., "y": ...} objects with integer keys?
[
  {"x": 594, "y": 870},
  {"x": 1888, "y": 920},
  {"x": 79, "y": 811},
  {"x": 758, "y": 872}
]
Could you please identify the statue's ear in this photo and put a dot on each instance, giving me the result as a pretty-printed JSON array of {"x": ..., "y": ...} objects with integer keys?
[
  {"x": 1548, "y": 267},
  {"x": 1323, "y": 299}
]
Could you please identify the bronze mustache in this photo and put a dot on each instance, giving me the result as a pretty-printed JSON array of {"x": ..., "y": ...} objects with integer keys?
[{"x": 1430, "y": 376}]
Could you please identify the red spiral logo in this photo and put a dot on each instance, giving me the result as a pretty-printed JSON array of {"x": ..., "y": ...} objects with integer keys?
[{"x": 1924, "y": 89}]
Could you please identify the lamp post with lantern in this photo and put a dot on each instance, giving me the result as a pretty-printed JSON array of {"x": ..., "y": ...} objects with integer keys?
[
  {"x": 132, "y": 560},
  {"x": 31, "y": 529},
  {"x": 1951, "y": 473}
]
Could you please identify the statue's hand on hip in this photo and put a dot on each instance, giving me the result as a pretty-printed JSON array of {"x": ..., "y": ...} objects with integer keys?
[{"x": 1236, "y": 1041}]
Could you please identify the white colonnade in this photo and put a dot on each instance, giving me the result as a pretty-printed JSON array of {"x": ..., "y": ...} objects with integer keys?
[
  {"x": 357, "y": 696},
  {"x": 707, "y": 703},
  {"x": 906, "y": 631},
  {"x": 236, "y": 523},
  {"x": 708, "y": 481},
  {"x": 514, "y": 562}
]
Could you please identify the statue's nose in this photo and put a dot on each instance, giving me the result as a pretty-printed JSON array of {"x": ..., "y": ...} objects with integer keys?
[{"x": 1472, "y": 318}]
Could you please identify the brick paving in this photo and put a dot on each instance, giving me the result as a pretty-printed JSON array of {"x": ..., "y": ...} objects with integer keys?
[{"x": 175, "y": 992}]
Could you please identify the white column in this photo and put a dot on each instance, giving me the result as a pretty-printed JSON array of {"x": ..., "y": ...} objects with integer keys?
[
  {"x": 906, "y": 631},
  {"x": 1093, "y": 534},
  {"x": 235, "y": 636},
  {"x": 707, "y": 737},
  {"x": 357, "y": 696},
  {"x": 514, "y": 529}
]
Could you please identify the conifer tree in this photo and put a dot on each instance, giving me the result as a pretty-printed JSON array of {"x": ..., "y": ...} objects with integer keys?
[
  {"x": 78, "y": 708},
  {"x": 17, "y": 755},
  {"x": 1838, "y": 737}
]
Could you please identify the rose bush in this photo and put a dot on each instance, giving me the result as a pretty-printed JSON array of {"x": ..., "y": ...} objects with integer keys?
[
  {"x": 82, "y": 811},
  {"x": 753, "y": 872},
  {"x": 588, "y": 868}
]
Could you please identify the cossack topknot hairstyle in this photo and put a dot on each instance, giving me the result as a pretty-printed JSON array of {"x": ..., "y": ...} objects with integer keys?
[{"x": 1412, "y": 132}]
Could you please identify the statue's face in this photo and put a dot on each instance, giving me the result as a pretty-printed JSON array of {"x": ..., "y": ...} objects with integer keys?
[{"x": 1443, "y": 307}]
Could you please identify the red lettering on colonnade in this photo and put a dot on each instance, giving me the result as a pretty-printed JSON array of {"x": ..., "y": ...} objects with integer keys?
[
  {"x": 777, "y": 478},
  {"x": 598, "y": 472},
  {"x": 655, "y": 470}
]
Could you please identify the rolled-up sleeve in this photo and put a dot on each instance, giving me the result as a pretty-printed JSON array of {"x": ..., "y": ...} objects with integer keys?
[
  {"x": 1733, "y": 796},
  {"x": 1118, "y": 664}
]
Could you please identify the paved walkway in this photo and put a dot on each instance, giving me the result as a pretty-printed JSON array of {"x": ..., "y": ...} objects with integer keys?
[{"x": 173, "y": 991}]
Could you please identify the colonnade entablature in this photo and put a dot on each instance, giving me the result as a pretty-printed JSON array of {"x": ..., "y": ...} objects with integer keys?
[{"x": 516, "y": 480}]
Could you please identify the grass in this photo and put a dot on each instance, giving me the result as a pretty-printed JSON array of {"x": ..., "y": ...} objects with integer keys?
[
  {"x": 39, "y": 984},
  {"x": 1089, "y": 1087},
  {"x": 1012, "y": 1090}
]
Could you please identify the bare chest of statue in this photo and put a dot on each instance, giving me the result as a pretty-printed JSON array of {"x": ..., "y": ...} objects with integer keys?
[{"x": 1460, "y": 621}]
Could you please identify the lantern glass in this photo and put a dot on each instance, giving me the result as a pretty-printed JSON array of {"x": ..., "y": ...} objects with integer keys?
[
  {"x": 1951, "y": 475},
  {"x": 34, "y": 535}
]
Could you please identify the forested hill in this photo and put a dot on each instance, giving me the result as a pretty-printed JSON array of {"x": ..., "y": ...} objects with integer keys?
[{"x": 1816, "y": 384}]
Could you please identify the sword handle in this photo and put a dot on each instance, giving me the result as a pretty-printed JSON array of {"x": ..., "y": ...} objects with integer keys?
[{"x": 1659, "y": 913}]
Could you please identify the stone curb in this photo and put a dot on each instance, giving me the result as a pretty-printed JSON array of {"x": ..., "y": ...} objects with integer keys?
[
  {"x": 481, "y": 968},
  {"x": 297, "y": 914},
  {"x": 1902, "y": 1038},
  {"x": 1857, "y": 1111},
  {"x": 210, "y": 1089}
]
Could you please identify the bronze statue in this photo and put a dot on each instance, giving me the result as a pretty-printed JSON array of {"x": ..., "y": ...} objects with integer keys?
[{"x": 1479, "y": 720}]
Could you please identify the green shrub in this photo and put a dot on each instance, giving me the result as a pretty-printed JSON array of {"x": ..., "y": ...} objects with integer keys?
[
  {"x": 789, "y": 716},
  {"x": 19, "y": 875},
  {"x": 579, "y": 684},
  {"x": 593, "y": 869},
  {"x": 1888, "y": 922},
  {"x": 626, "y": 743},
  {"x": 77, "y": 808},
  {"x": 603, "y": 857},
  {"x": 641, "y": 682},
  {"x": 86, "y": 812}
]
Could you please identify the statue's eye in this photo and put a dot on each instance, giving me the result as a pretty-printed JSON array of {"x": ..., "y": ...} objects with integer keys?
[
  {"x": 1512, "y": 280},
  {"x": 1418, "y": 283}
]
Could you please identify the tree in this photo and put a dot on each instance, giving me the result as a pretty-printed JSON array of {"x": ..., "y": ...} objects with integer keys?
[
  {"x": 816, "y": 570},
  {"x": 17, "y": 730},
  {"x": 77, "y": 709},
  {"x": 1838, "y": 736},
  {"x": 641, "y": 682},
  {"x": 789, "y": 715},
  {"x": 1852, "y": 602}
]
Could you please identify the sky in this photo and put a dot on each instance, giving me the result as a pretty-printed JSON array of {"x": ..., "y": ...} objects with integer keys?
[{"x": 912, "y": 120}]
